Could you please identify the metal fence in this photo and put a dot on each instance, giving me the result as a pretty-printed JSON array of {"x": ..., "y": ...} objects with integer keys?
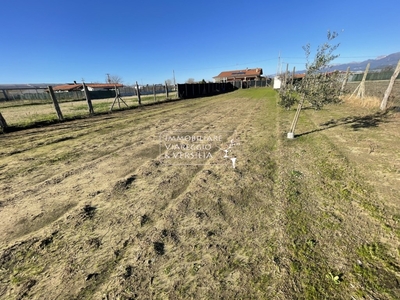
[
  {"x": 39, "y": 95},
  {"x": 251, "y": 83},
  {"x": 193, "y": 90},
  {"x": 372, "y": 76},
  {"x": 42, "y": 95}
]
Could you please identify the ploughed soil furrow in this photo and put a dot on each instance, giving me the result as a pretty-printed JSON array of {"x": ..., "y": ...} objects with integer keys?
[
  {"x": 113, "y": 139},
  {"x": 85, "y": 179},
  {"x": 125, "y": 206},
  {"x": 102, "y": 212},
  {"x": 195, "y": 223},
  {"x": 31, "y": 138}
]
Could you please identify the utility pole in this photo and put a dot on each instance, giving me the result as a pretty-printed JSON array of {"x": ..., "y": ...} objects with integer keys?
[
  {"x": 173, "y": 75},
  {"x": 279, "y": 64},
  {"x": 108, "y": 78}
]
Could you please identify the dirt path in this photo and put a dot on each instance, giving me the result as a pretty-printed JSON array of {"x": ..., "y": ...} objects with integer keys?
[{"x": 91, "y": 209}]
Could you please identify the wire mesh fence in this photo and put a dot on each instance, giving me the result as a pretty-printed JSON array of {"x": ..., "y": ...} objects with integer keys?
[
  {"x": 22, "y": 108},
  {"x": 372, "y": 76}
]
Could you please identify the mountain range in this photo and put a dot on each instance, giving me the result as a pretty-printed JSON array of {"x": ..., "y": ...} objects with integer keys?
[{"x": 376, "y": 64}]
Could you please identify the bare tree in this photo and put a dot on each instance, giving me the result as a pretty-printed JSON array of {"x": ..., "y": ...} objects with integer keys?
[
  {"x": 113, "y": 78},
  {"x": 190, "y": 80},
  {"x": 168, "y": 82}
]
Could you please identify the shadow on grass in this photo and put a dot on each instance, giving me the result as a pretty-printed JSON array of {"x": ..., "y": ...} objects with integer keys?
[{"x": 356, "y": 122}]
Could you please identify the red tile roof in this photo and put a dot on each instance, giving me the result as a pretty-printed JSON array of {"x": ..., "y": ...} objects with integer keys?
[
  {"x": 78, "y": 87},
  {"x": 241, "y": 73},
  {"x": 299, "y": 76}
]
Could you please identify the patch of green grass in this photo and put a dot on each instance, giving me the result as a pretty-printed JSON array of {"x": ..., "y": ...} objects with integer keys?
[
  {"x": 266, "y": 93},
  {"x": 79, "y": 107},
  {"x": 31, "y": 119},
  {"x": 336, "y": 279}
]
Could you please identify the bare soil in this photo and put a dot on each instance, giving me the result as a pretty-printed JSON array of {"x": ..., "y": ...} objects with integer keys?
[{"x": 89, "y": 209}]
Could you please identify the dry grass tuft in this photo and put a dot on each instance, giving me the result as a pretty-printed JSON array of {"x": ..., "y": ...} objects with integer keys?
[{"x": 369, "y": 101}]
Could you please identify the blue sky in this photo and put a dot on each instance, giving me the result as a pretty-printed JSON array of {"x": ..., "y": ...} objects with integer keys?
[{"x": 52, "y": 41}]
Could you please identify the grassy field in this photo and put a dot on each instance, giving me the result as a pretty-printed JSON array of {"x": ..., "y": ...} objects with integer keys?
[
  {"x": 91, "y": 210},
  {"x": 26, "y": 113}
]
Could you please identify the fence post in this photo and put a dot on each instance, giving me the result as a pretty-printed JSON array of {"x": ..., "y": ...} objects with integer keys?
[
  {"x": 154, "y": 93},
  {"x": 389, "y": 88},
  {"x": 286, "y": 76},
  {"x": 290, "y": 134},
  {"x": 293, "y": 73},
  {"x": 56, "y": 106},
  {"x": 88, "y": 99},
  {"x": 346, "y": 78},
  {"x": 5, "y": 95},
  {"x": 3, "y": 123},
  {"x": 166, "y": 90},
  {"x": 360, "y": 89},
  {"x": 138, "y": 94},
  {"x": 186, "y": 90}
]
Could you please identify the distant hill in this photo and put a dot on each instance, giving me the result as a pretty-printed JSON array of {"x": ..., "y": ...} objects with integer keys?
[{"x": 377, "y": 64}]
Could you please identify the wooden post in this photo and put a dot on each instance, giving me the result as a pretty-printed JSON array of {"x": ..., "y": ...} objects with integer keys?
[
  {"x": 295, "y": 119},
  {"x": 285, "y": 77},
  {"x": 117, "y": 99},
  {"x": 116, "y": 96},
  {"x": 3, "y": 123},
  {"x": 389, "y": 88},
  {"x": 346, "y": 78},
  {"x": 166, "y": 90},
  {"x": 290, "y": 134},
  {"x": 138, "y": 94},
  {"x": 286, "y": 74},
  {"x": 5, "y": 95},
  {"x": 361, "y": 90},
  {"x": 88, "y": 99},
  {"x": 294, "y": 72},
  {"x": 56, "y": 106}
]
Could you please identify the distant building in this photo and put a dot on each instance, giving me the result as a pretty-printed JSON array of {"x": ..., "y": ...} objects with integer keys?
[
  {"x": 91, "y": 87},
  {"x": 14, "y": 91},
  {"x": 239, "y": 75}
]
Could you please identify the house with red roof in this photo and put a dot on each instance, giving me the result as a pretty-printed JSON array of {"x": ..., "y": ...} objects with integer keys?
[{"x": 239, "y": 75}]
